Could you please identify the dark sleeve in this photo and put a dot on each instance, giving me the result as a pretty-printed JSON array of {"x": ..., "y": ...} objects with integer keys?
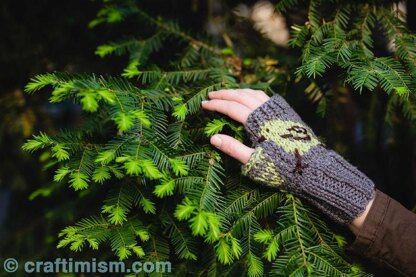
[{"x": 388, "y": 235}]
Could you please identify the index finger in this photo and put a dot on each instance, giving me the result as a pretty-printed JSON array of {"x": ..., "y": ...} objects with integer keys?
[
  {"x": 233, "y": 109},
  {"x": 247, "y": 97}
]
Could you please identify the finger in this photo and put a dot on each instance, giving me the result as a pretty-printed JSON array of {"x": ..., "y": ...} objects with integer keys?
[
  {"x": 261, "y": 95},
  {"x": 233, "y": 109},
  {"x": 247, "y": 97},
  {"x": 232, "y": 147}
]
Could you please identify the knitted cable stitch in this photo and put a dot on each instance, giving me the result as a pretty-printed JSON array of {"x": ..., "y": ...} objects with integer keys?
[{"x": 289, "y": 156}]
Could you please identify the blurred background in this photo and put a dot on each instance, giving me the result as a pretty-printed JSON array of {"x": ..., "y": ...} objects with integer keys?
[{"x": 44, "y": 36}]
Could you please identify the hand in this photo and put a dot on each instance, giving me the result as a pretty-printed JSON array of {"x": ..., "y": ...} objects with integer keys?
[
  {"x": 237, "y": 104},
  {"x": 288, "y": 155}
]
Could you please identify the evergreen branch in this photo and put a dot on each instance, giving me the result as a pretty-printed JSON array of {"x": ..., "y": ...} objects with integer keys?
[
  {"x": 175, "y": 30},
  {"x": 194, "y": 103},
  {"x": 184, "y": 245},
  {"x": 313, "y": 14},
  {"x": 297, "y": 224},
  {"x": 285, "y": 5},
  {"x": 175, "y": 77},
  {"x": 138, "y": 49},
  {"x": 209, "y": 196}
]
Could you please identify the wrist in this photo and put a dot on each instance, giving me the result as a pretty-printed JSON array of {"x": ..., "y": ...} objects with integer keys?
[{"x": 357, "y": 223}]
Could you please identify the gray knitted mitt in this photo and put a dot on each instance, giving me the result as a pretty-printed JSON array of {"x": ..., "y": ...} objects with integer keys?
[{"x": 289, "y": 156}]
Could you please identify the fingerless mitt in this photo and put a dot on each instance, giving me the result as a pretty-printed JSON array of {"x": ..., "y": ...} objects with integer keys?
[{"x": 289, "y": 156}]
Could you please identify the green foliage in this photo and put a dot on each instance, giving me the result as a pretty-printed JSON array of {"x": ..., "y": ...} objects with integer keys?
[
  {"x": 169, "y": 193},
  {"x": 344, "y": 39},
  {"x": 299, "y": 243}
]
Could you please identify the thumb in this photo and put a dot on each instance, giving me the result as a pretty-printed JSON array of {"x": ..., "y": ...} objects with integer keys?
[{"x": 232, "y": 147}]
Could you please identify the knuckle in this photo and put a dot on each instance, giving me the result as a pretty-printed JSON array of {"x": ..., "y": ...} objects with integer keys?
[{"x": 260, "y": 92}]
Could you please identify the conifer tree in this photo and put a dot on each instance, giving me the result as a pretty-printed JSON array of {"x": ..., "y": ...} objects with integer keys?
[{"x": 144, "y": 141}]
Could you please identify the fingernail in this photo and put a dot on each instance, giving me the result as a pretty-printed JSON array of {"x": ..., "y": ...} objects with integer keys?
[
  {"x": 203, "y": 102},
  {"x": 211, "y": 93},
  {"x": 216, "y": 141}
]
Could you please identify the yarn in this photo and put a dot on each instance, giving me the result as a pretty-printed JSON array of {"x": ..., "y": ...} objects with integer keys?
[{"x": 289, "y": 156}]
